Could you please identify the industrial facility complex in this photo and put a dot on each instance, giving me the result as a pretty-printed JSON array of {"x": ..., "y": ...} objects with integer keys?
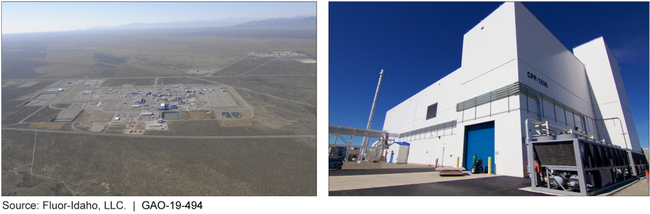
[
  {"x": 524, "y": 104},
  {"x": 141, "y": 108}
]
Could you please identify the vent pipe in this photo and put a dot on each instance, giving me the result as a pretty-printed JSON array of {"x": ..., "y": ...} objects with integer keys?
[{"x": 372, "y": 113}]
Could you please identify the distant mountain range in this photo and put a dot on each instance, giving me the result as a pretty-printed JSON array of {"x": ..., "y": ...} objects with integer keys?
[
  {"x": 298, "y": 21},
  {"x": 280, "y": 22}
]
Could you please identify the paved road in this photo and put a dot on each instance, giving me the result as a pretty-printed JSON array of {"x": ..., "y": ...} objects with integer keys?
[
  {"x": 178, "y": 76},
  {"x": 488, "y": 186},
  {"x": 165, "y": 136}
]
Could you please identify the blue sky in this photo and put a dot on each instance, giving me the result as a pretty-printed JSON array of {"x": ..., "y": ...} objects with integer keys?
[
  {"x": 419, "y": 43},
  {"x": 20, "y": 17}
]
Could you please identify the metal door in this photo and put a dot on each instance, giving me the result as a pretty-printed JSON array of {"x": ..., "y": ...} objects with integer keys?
[{"x": 479, "y": 140}]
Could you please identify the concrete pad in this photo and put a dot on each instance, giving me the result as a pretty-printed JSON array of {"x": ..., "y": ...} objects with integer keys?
[
  {"x": 337, "y": 183},
  {"x": 636, "y": 188},
  {"x": 36, "y": 103},
  {"x": 639, "y": 188},
  {"x": 98, "y": 127},
  {"x": 366, "y": 165},
  {"x": 68, "y": 115},
  {"x": 529, "y": 189}
]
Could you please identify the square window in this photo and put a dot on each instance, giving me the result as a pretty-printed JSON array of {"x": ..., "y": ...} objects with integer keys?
[{"x": 432, "y": 110}]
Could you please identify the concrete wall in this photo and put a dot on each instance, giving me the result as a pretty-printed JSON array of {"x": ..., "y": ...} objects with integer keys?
[
  {"x": 489, "y": 53},
  {"x": 609, "y": 92},
  {"x": 411, "y": 114},
  {"x": 427, "y": 150},
  {"x": 541, "y": 54}
]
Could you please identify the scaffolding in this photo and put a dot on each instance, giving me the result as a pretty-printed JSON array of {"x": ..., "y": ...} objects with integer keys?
[{"x": 374, "y": 152}]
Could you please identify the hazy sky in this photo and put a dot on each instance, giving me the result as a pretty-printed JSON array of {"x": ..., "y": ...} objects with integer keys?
[{"x": 19, "y": 17}]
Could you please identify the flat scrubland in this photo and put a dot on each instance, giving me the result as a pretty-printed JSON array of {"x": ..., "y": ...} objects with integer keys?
[
  {"x": 13, "y": 92},
  {"x": 71, "y": 164},
  {"x": 48, "y": 125},
  {"x": 245, "y": 65},
  {"x": 138, "y": 53},
  {"x": 236, "y": 123},
  {"x": 197, "y": 115},
  {"x": 20, "y": 114},
  {"x": 44, "y": 115},
  {"x": 61, "y": 105},
  {"x": 181, "y": 80},
  {"x": 274, "y": 113},
  {"x": 213, "y": 128},
  {"x": 132, "y": 82},
  {"x": 295, "y": 88},
  {"x": 284, "y": 67},
  {"x": 13, "y": 98},
  {"x": 20, "y": 57}
]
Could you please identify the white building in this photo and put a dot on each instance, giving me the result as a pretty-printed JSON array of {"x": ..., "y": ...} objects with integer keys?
[
  {"x": 512, "y": 69},
  {"x": 397, "y": 152}
]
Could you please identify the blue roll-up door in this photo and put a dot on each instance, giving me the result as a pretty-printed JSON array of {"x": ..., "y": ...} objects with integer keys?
[{"x": 479, "y": 140}]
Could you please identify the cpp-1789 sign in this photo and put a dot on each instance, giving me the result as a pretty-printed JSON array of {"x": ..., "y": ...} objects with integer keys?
[{"x": 537, "y": 79}]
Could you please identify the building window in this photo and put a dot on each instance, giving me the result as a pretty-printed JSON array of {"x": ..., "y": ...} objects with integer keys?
[{"x": 432, "y": 110}]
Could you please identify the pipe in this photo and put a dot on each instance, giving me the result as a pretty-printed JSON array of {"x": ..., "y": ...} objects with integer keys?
[
  {"x": 622, "y": 130},
  {"x": 550, "y": 126},
  {"x": 372, "y": 110},
  {"x": 631, "y": 159},
  {"x": 539, "y": 108},
  {"x": 529, "y": 153},
  {"x": 347, "y": 154}
]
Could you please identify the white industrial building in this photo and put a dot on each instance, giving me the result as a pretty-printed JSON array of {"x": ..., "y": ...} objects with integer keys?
[
  {"x": 513, "y": 68},
  {"x": 397, "y": 152}
]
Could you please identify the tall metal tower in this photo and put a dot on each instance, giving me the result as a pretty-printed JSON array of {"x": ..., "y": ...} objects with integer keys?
[{"x": 372, "y": 113}]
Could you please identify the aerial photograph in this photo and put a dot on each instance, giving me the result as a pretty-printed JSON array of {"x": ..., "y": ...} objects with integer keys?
[
  {"x": 160, "y": 99},
  {"x": 488, "y": 99}
]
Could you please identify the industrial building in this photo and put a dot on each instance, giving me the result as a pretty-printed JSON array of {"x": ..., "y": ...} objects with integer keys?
[
  {"x": 397, "y": 152},
  {"x": 163, "y": 106},
  {"x": 513, "y": 69}
]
